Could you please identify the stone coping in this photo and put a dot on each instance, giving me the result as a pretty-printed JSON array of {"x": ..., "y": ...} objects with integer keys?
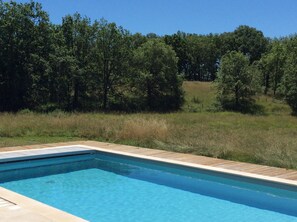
[{"x": 24, "y": 209}]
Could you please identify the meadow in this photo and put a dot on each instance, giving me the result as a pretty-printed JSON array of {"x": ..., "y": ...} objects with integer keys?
[{"x": 268, "y": 138}]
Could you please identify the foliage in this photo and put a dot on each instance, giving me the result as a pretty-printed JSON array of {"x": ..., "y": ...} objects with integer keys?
[
  {"x": 110, "y": 58},
  {"x": 78, "y": 65},
  {"x": 289, "y": 83},
  {"x": 272, "y": 65},
  {"x": 156, "y": 76},
  {"x": 203, "y": 56},
  {"x": 250, "y": 41},
  {"x": 236, "y": 82},
  {"x": 25, "y": 46},
  {"x": 199, "y": 55},
  {"x": 69, "y": 62},
  {"x": 179, "y": 44}
]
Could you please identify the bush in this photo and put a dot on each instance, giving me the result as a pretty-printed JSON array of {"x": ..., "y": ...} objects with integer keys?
[
  {"x": 47, "y": 108},
  {"x": 25, "y": 111}
]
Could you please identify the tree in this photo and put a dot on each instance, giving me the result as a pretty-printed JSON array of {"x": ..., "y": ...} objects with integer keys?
[
  {"x": 289, "y": 83},
  {"x": 78, "y": 39},
  {"x": 250, "y": 41},
  {"x": 203, "y": 56},
  {"x": 156, "y": 78},
  {"x": 236, "y": 82},
  {"x": 198, "y": 55},
  {"x": 226, "y": 43},
  {"x": 272, "y": 66},
  {"x": 152, "y": 35},
  {"x": 63, "y": 66},
  {"x": 179, "y": 44},
  {"x": 137, "y": 40},
  {"x": 25, "y": 47},
  {"x": 110, "y": 58}
]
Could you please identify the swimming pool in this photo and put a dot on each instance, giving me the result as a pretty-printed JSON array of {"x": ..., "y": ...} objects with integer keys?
[{"x": 101, "y": 186}]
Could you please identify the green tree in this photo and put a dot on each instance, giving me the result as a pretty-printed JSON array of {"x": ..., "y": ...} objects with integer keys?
[
  {"x": 137, "y": 40},
  {"x": 198, "y": 55},
  {"x": 204, "y": 56},
  {"x": 25, "y": 46},
  {"x": 272, "y": 65},
  {"x": 289, "y": 83},
  {"x": 179, "y": 44},
  {"x": 78, "y": 37},
  {"x": 250, "y": 41},
  {"x": 156, "y": 77},
  {"x": 236, "y": 82},
  {"x": 63, "y": 65},
  {"x": 110, "y": 58},
  {"x": 226, "y": 43}
]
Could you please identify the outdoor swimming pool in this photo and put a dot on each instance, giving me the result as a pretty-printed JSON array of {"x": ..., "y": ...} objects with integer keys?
[{"x": 101, "y": 186}]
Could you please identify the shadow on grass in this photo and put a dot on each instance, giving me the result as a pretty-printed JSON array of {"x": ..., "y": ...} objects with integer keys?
[
  {"x": 246, "y": 108},
  {"x": 255, "y": 109}
]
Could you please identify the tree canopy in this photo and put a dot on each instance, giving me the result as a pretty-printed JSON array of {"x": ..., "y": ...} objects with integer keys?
[
  {"x": 156, "y": 76},
  {"x": 289, "y": 84},
  {"x": 236, "y": 82}
]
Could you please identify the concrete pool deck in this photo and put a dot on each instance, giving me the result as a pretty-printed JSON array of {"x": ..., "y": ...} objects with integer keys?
[{"x": 15, "y": 207}]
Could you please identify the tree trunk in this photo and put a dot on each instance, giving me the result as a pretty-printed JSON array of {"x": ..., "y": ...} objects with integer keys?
[
  {"x": 266, "y": 84},
  {"x": 75, "y": 96},
  {"x": 236, "y": 97},
  {"x": 149, "y": 94},
  {"x": 105, "y": 84},
  {"x": 105, "y": 96}
]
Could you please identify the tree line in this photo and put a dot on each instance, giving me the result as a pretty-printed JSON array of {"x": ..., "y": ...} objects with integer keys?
[
  {"x": 88, "y": 66},
  {"x": 81, "y": 65}
]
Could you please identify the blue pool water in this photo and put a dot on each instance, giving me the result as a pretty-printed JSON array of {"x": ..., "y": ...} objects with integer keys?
[{"x": 110, "y": 188}]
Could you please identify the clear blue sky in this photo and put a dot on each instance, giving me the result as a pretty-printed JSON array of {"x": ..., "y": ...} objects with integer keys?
[{"x": 274, "y": 17}]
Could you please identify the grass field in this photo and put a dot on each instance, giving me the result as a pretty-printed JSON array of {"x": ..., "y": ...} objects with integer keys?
[{"x": 269, "y": 139}]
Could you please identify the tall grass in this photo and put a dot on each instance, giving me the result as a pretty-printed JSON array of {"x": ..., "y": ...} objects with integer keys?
[
  {"x": 267, "y": 140},
  {"x": 144, "y": 129},
  {"x": 90, "y": 126}
]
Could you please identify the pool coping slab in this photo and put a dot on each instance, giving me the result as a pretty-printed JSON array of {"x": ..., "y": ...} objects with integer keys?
[{"x": 25, "y": 207}]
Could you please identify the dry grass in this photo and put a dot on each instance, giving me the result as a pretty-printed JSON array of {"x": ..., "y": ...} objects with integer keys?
[
  {"x": 90, "y": 126},
  {"x": 144, "y": 129}
]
